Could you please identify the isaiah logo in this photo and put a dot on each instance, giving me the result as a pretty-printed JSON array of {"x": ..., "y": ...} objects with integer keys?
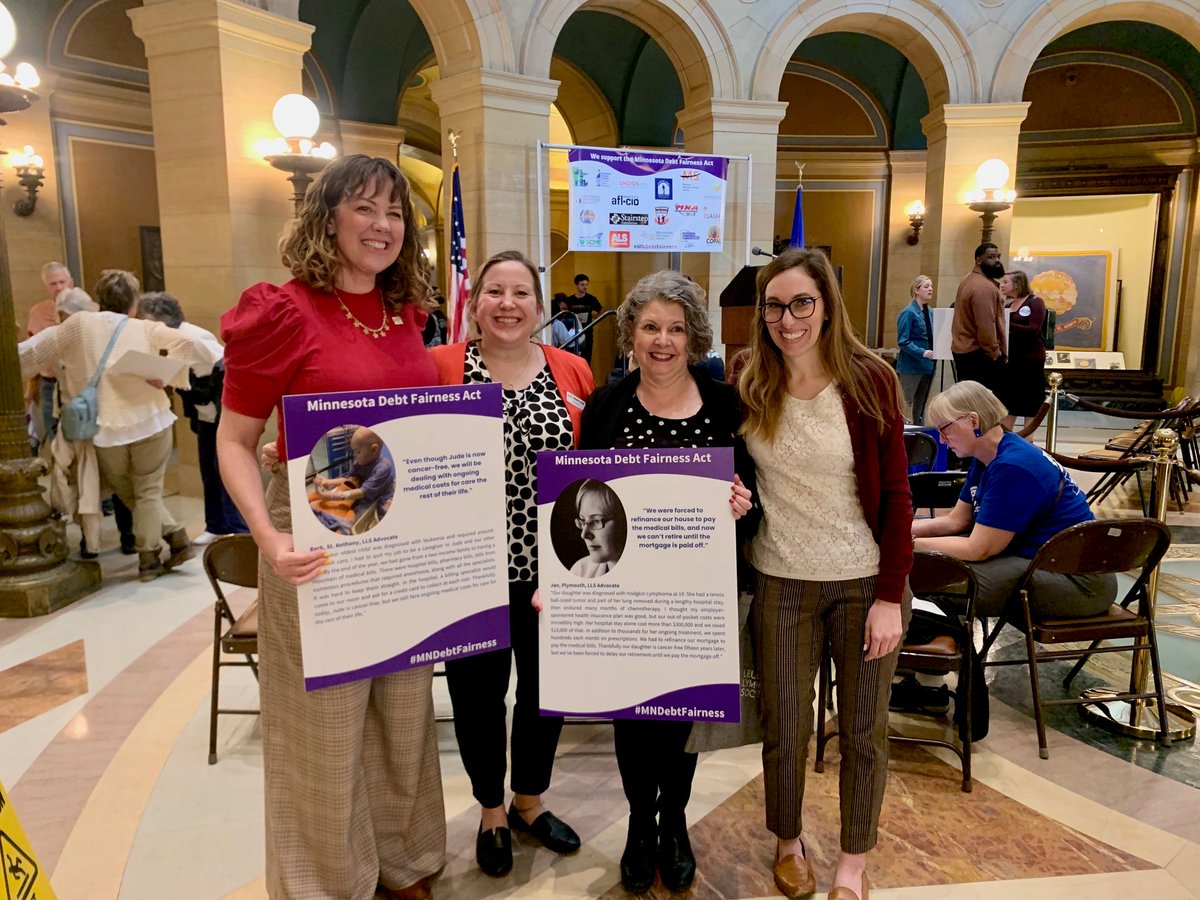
[{"x": 663, "y": 189}]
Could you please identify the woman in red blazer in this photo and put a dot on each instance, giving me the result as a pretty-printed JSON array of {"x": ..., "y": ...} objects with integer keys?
[{"x": 545, "y": 390}]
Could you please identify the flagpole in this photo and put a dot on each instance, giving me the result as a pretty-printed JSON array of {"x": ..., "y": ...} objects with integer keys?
[
  {"x": 797, "y": 237},
  {"x": 459, "y": 286}
]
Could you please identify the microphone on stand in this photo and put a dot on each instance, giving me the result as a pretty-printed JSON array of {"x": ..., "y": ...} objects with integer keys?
[{"x": 759, "y": 251}]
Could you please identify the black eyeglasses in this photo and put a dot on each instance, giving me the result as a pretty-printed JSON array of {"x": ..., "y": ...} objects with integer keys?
[
  {"x": 800, "y": 308},
  {"x": 593, "y": 523}
]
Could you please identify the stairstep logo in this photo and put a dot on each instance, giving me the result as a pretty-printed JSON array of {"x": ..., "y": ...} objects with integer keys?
[
  {"x": 618, "y": 240},
  {"x": 628, "y": 219}
]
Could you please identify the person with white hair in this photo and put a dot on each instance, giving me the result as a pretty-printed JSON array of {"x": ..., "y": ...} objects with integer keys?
[{"x": 40, "y": 394}]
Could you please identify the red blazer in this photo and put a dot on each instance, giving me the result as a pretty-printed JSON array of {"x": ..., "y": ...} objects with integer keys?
[
  {"x": 881, "y": 469},
  {"x": 571, "y": 374}
]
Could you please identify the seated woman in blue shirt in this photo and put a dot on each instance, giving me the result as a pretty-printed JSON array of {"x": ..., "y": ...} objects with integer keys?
[{"x": 1016, "y": 498}]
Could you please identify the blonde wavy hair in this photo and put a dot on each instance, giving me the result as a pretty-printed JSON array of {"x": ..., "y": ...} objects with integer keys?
[
  {"x": 310, "y": 252},
  {"x": 849, "y": 363}
]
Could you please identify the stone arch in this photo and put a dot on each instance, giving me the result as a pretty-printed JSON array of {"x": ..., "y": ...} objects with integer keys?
[
  {"x": 689, "y": 33},
  {"x": 467, "y": 34},
  {"x": 583, "y": 106},
  {"x": 1050, "y": 19},
  {"x": 922, "y": 31}
]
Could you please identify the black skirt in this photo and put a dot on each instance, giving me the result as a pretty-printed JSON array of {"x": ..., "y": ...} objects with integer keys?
[{"x": 1022, "y": 387}]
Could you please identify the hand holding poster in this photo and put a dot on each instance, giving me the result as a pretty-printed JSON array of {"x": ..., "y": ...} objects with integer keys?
[
  {"x": 639, "y": 596},
  {"x": 405, "y": 490},
  {"x": 640, "y": 200}
]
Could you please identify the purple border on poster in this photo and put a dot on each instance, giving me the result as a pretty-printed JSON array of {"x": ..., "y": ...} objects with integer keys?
[
  {"x": 556, "y": 470},
  {"x": 722, "y": 700},
  {"x": 307, "y": 417},
  {"x": 645, "y": 162},
  {"x": 487, "y": 628}
]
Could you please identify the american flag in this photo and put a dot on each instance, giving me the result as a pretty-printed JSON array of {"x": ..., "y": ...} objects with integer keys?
[{"x": 460, "y": 278}]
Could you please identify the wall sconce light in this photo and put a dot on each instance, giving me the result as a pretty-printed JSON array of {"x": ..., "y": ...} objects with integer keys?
[
  {"x": 296, "y": 119},
  {"x": 990, "y": 197},
  {"x": 30, "y": 173},
  {"x": 916, "y": 219}
]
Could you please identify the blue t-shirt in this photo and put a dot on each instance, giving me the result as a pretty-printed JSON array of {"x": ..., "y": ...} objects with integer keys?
[{"x": 1016, "y": 492}]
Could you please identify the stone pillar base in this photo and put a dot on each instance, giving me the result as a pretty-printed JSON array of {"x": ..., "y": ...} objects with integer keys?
[{"x": 41, "y": 593}]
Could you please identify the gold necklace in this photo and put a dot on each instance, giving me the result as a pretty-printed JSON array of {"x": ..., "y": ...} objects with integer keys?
[{"x": 375, "y": 333}]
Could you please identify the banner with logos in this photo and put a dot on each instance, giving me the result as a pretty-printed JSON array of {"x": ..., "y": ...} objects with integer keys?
[{"x": 640, "y": 200}]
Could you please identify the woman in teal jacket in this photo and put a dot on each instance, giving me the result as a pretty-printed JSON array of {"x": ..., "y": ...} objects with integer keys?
[{"x": 915, "y": 365}]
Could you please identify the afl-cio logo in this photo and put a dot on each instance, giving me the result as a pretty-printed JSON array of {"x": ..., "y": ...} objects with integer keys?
[
  {"x": 587, "y": 216},
  {"x": 714, "y": 234}
]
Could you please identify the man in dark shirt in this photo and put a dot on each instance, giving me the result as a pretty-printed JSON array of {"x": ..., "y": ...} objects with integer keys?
[{"x": 586, "y": 308}]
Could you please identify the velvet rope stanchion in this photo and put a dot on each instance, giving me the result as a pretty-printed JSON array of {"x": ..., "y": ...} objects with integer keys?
[
  {"x": 1140, "y": 718},
  {"x": 1055, "y": 380}
]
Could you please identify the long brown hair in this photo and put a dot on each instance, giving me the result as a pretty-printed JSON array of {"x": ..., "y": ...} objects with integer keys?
[
  {"x": 849, "y": 363},
  {"x": 310, "y": 252}
]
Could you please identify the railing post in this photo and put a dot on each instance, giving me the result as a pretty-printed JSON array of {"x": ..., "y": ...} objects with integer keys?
[{"x": 1055, "y": 381}]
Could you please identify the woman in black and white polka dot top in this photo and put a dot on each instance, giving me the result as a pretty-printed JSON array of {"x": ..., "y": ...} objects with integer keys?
[
  {"x": 665, "y": 402},
  {"x": 545, "y": 390}
]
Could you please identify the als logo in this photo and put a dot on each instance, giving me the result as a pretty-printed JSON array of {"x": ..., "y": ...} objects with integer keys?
[
  {"x": 591, "y": 240},
  {"x": 587, "y": 216},
  {"x": 664, "y": 189},
  {"x": 628, "y": 219},
  {"x": 622, "y": 200},
  {"x": 662, "y": 215},
  {"x": 687, "y": 209},
  {"x": 618, "y": 240},
  {"x": 714, "y": 234}
]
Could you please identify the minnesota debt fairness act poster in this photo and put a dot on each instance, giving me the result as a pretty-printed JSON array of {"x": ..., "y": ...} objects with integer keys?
[
  {"x": 637, "y": 576},
  {"x": 639, "y": 200},
  {"x": 405, "y": 490}
]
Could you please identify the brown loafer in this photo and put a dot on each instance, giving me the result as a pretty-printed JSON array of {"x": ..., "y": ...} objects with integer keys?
[
  {"x": 842, "y": 893},
  {"x": 794, "y": 877},
  {"x": 418, "y": 891}
]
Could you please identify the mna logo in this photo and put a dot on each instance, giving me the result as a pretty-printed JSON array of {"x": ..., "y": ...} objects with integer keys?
[
  {"x": 664, "y": 189},
  {"x": 621, "y": 200},
  {"x": 618, "y": 240},
  {"x": 687, "y": 209},
  {"x": 587, "y": 216},
  {"x": 662, "y": 216}
]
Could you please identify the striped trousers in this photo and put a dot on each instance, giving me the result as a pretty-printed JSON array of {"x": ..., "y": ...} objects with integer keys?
[
  {"x": 792, "y": 621},
  {"x": 352, "y": 780}
]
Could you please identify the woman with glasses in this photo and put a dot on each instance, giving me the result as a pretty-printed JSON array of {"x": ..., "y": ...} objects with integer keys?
[
  {"x": 825, "y": 428},
  {"x": 667, "y": 401},
  {"x": 1015, "y": 499},
  {"x": 544, "y": 393},
  {"x": 601, "y": 524}
]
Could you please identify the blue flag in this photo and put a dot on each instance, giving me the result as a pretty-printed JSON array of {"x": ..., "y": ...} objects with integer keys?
[{"x": 798, "y": 219}]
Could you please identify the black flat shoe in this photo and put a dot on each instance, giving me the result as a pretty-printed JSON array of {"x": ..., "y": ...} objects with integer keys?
[
  {"x": 637, "y": 862},
  {"x": 553, "y": 832},
  {"x": 493, "y": 851},
  {"x": 676, "y": 862}
]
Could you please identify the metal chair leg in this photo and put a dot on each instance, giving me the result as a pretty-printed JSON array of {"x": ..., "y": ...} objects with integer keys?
[
  {"x": 1164, "y": 731},
  {"x": 216, "y": 687},
  {"x": 1034, "y": 682}
]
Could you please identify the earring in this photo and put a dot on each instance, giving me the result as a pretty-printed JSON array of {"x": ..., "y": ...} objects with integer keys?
[{"x": 330, "y": 232}]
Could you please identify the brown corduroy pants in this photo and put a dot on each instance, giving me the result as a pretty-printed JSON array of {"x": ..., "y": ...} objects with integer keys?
[{"x": 792, "y": 621}]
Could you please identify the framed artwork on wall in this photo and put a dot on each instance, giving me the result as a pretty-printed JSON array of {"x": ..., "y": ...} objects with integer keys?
[
  {"x": 150, "y": 237},
  {"x": 1080, "y": 285}
]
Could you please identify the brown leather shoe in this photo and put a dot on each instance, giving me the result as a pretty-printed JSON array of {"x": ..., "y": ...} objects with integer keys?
[
  {"x": 418, "y": 891},
  {"x": 841, "y": 893},
  {"x": 794, "y": 876}
]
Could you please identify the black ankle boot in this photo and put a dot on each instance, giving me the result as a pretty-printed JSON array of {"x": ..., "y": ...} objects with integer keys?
[
  {"x": 676, "y": 862},
  {"x": 637, "y": 862}
]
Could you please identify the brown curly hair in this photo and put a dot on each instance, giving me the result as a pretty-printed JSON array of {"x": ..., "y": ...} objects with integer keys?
[{"x": 310, "y": 252}]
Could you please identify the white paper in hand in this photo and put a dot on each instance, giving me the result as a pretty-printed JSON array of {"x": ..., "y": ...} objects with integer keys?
[{"x": 148, "y": 366}]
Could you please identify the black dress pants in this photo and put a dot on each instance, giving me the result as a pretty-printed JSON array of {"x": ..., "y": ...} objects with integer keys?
[
  {"x": 656, "y": 771},
  {"x": 478, "y": 686},
  {"x": 978, "y": 366}
]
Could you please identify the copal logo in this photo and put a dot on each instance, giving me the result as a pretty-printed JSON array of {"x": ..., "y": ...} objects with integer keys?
[
  {"x": 664, "y": 189},
  {"x": 714, "y": 234},
  {"x": 618, "y": 240},
  {"x": 587, "y": 216},
  {"x": 687, "y": 209},
  {"x": 622, "y": 200},
  {"x": 662, "y": 215}
]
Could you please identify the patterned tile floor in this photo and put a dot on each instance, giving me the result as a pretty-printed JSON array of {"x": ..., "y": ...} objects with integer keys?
[{"x": 103, "y": 748}]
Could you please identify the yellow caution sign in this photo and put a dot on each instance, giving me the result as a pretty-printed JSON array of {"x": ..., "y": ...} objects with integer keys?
[{"x": 21, "y": 876}]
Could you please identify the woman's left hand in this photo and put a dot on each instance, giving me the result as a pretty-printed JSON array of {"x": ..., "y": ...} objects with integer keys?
[
  {"x": 883, "y": 631},
  {"x": 740, "y": 500}
]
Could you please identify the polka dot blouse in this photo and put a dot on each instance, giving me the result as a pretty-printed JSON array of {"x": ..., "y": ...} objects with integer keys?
[
  {"x": 535, "y": 419},
  {"x": 638, "y": 428}
]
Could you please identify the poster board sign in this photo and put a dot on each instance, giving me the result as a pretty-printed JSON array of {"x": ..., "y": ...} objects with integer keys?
[
  {"x": 418, "y": 568},
  {"x": 943, "y": 320},
  {"x": 639, "y": 585},
  {"x": 640, "y": 200}
]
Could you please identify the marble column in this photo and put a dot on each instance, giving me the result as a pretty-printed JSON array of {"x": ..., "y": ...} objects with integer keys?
[
  {"x": 735, "y": 128},
  {"x": 216, "y": 69},
  {"x": 960, "y": 137}
]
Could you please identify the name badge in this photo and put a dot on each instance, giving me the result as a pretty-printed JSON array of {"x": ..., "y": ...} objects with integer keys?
[{"x": 575, "y": 401}]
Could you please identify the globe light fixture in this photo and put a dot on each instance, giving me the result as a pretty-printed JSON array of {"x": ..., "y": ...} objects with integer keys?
[
  {"x": 990, "y": 196},
  {"x": 297, "y": 120}
]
